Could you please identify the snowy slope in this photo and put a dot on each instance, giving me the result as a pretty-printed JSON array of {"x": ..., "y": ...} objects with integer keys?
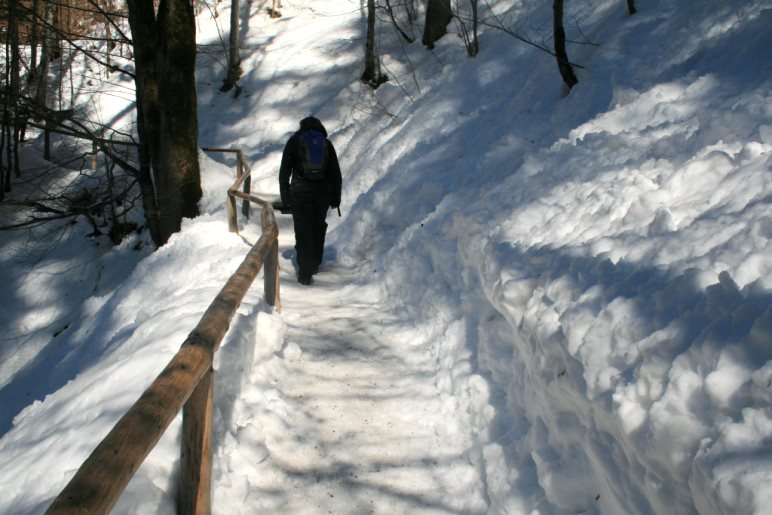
[{"x": 560, "y": 301}]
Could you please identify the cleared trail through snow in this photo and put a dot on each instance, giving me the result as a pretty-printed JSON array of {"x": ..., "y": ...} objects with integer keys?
[{"x": 351, "y": 418}]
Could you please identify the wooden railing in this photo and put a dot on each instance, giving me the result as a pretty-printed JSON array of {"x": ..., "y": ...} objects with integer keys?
[
  {"x": 243, "y": 179},
  {"x": 53, "y": 125},
  {"x": 186, "y": 383}
]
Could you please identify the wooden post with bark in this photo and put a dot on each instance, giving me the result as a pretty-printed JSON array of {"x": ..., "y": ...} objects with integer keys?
[
  {"x": 245, "y": 170},
  {"x": 195, "y": 495}
]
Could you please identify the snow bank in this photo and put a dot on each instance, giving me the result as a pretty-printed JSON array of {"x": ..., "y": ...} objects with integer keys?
[{"x": 623, "y": 255}]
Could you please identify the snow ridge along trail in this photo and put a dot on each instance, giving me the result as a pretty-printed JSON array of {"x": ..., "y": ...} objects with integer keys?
[{"x": 345, "y": 416}]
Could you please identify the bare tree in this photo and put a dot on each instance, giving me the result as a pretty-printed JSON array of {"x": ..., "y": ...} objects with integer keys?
[
  {"x": 438, "y": 16},
  {"x": 390, "y": 11},
  {"x": 410, "y": 9},
  {"x": 11, "y": 116},
  {"x": 234, "y": 59},
  {"x": 469, "y": 35},
  {"x": 46, "y": 55},
  {"x": 372, "y": 74},
  {"x": 34, "y": 32},
  {"x": 165, "y": 57},
  {"x": 559, "y": 34}
]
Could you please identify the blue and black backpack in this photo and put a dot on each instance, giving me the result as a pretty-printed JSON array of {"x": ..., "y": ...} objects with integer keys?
[{"x": 313, "y": 155}]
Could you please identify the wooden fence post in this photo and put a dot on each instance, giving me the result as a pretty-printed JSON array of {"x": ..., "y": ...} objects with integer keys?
[
  {"x": 47, "y": 141},
  {"x": 233, "y": 223},
  {"x": 247, "y": 189},
  {"x": 94, "y": 155},
  {"x": 195, "y": 496},
  {"x": 245, "y": 206},
  {"x": 271, "y": 277}
]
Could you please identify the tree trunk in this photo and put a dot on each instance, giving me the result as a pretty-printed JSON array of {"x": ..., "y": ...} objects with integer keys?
[
  {"x": 13, "y": 29},
  {"x": 178, "y": 177},
  {"x": 564, "y": 66},
  {"x": 145, "y": 176},
  {"x": 34, "y": 31},
  {"x": 470, "y": 39},
  {"x": 13, "y": 88},
  {"x": 41, "y": 88},
  {"x": 234, "y": 59},
  {"x": 390, "y": 12},
  {"x": 5, "y": 173},
  {"x": 438, "y": 15},
  {"x": 5, "y": 180},
  {"x": 165, "y": 55},
  {"x": 107, "y": 8},
  {"x": 475, "y": 44},
  {"x": 372, "y": 74},
  {"x": 143, "y": 35}
]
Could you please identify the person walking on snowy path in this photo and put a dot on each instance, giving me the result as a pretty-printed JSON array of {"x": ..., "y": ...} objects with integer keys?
[{"x": 309, "y": 182}]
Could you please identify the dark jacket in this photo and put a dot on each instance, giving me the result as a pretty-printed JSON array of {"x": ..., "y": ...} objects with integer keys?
[{"x": 289, "y": 178}]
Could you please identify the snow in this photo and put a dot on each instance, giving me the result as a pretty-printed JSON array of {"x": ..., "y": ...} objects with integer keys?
[{"x": 535, "y": 301}]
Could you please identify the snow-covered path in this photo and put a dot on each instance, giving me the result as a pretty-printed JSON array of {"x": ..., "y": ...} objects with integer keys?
[{"x": 346, "y": 417}]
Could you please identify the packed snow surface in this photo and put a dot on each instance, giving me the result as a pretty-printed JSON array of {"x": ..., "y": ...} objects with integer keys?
[{"x": 536, "y": 301}]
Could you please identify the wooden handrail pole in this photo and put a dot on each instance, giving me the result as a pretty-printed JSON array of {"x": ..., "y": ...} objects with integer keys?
[
  {"x": 94, "y": 156},
  {"x": 230, "y": 205},
  {"x": 245, "y": 206},
  {"x": 271, "y": 277},
  {"x": 271, "y": 263},
  {"x": 251, "y": 198},
  {"x": 47, "y": 142},
  {"x": 194, "y": 496}
]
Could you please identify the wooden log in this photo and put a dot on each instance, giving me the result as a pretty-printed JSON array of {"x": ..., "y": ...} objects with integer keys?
[
  {"x": 271, "y": 265},
  {"x": 230, "y": 205},
  {"x": 247, "y": 184},
  {"x": 271, "y": 277},
  {"x": 251, "y": 198},
  {"x": 239, "y": 181},
  {"x": 245, "y": 207},
  {"x": 194, "y": 496},
  {"x": 215, "y": 149},
  {"x": 47, "y": 143}
]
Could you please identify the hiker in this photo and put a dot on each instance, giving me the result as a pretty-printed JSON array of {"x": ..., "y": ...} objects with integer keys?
[{"x": 310, "y": 183}]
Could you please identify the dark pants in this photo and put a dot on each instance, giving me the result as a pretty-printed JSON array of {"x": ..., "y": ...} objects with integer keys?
[{"x": 308, "y": 215}]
